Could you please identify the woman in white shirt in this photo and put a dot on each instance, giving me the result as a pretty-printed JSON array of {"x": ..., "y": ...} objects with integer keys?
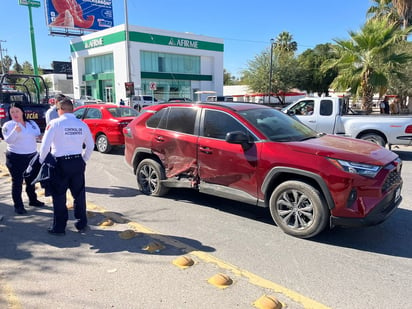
[{"x": 20, "y": 135}]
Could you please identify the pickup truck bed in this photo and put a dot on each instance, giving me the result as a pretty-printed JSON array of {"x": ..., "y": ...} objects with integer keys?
[{"x": 331, "y": 115}]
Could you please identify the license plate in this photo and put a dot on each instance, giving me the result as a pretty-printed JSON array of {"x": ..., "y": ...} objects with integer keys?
[{"x": 397, "y": 194}]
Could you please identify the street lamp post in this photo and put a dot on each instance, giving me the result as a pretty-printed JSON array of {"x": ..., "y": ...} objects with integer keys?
[{"x": 270, "y": 70}]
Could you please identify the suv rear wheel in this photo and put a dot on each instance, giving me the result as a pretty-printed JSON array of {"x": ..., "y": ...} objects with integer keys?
[
  {"x": 149, "y": 174},
  {"x": 298, "y": 209}
]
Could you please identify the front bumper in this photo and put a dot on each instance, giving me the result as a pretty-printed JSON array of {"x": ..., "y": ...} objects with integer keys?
[{"x": 379, "y": 214}]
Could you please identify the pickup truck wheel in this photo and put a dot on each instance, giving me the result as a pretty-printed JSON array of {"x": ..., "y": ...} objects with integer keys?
[
  {"x": 298, "y": 209},
  {"x": 102, "y": 144},
  {"x": 374, "y": 138},
  {"x": 149, "y": 174}
]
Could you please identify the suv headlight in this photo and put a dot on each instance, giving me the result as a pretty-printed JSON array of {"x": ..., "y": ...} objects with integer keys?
[{"x": 367, "y": 170}]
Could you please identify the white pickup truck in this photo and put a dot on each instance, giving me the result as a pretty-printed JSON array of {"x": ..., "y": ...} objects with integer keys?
[{"x": 332, "y": 115}]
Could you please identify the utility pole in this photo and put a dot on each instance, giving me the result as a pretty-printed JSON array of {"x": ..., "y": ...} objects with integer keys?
[
  {"x": 1, "y": 57},
  {"x": 270, "y": 69}
]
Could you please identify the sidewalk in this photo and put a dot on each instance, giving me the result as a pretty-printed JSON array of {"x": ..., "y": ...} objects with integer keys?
[{"x": 123, "y": 265}]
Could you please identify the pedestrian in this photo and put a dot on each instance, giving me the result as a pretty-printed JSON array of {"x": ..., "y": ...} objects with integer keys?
[
  {"x": 51, "y": 113},
  {"x": 121, "y": 102},
  {"x": 64, "y": 138},
  {"x": 20, "y": 135},
  {"x": 384, "y": 106},
  {"x": 394, "y": 106}
]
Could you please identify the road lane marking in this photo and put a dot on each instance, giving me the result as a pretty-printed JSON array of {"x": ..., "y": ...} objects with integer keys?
[{"x": 254, "y": 279}]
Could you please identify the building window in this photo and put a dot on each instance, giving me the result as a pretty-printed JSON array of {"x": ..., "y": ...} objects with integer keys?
[
  {"x": 99, "y": 64},
  {"x": 161, "y": 64},
  {"x": 169, "y": 63}
]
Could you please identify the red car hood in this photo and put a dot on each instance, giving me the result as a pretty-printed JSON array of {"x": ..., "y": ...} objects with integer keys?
[{"x": 349, "y": 149}]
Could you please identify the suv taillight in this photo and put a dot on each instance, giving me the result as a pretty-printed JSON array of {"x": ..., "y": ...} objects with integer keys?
[
  {"x": 408, "y": 129},
  {"x": 2, "y": 113},
  {"x": 127, "y": 132}
]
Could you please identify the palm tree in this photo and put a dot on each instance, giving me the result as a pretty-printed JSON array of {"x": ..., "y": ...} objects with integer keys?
[
  {"x": 382, "y": 8},
  {"x": 367, "y": 61},
  {"x": 284, "y": 43},
  {"x": 404, "y": 9}
]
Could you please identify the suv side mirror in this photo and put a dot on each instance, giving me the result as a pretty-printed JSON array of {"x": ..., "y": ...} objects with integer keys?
[{"x": 239, "y": 137}]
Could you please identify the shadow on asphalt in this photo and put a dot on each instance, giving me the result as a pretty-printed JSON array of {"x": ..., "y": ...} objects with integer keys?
[
  {"x": 392, "y": 237},
  {"x": 403, "y": 154},
  {"x": 19, "y": 233}
]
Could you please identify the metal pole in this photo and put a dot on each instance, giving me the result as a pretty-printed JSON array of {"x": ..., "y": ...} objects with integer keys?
[
  {"x": 33, "y": 43},
  {"x": 127, "y": 41},
  {"x": 270, "y": 70},
  {"x": 126, "y": 22},
  {"x": 1, "y": 57}
]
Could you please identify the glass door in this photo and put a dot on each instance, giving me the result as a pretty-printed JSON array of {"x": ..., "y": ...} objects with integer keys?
[{"x": 108, "y": 94}]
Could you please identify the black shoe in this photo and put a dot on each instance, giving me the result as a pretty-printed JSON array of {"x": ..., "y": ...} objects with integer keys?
[
  {"x": 20, "y": 211},
  {"x": 54, "y": 232},
  {"x": 36, "y": 203},
  {"x": 81, "y": 228}
]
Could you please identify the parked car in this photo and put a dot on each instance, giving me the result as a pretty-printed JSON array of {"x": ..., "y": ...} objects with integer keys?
[
  {"x": 140, "y": 101},
  {"x": 261, "y": 156},
  {"x": 220, "y": 98},
  {"x": 174, "y": 100},
  {"x": 106, "y": 122},
  {"x": 85, "y": 99}
]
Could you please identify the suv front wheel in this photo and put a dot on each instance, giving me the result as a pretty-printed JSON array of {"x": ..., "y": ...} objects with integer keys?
[
  {"x": 149, "y": 174},
  {"x": 298, "y": 209}
]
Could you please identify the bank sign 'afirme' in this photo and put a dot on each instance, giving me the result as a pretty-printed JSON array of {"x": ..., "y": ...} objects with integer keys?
[{"x": 183, "y": 43}]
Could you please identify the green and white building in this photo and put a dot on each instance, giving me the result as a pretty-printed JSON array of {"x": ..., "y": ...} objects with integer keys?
[{"x": 163, "y": 63}]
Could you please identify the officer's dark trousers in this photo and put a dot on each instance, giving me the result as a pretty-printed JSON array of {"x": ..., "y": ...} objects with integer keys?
[
  {"x": 17, "y": 164},
  {"x": 68, "y": 174}
]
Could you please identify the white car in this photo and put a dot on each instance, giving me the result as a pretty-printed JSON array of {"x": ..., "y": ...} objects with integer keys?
[
  {"x": 86, "y": 99},
  {"x": 140, "y": 101}
]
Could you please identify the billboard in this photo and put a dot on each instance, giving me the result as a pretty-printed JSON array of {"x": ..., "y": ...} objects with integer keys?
[{"x": 89, "y": 15}]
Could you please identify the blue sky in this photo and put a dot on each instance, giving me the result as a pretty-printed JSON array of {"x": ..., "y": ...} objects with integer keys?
[{"x": 246, "y": 27}]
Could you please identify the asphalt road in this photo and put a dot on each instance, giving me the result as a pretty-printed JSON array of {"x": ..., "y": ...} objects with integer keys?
[{"x": 342, "y": 268}]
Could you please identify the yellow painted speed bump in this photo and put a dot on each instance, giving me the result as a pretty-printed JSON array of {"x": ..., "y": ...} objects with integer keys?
[
  {"x": 267, "y": 302},
  {"x": 183, "y": 261},
  {"x": 106, "y": 222},
  {"x": 153, "y": 247},
  {"x": 220, "y": 280},
  {"x": 127, "y": 234}
]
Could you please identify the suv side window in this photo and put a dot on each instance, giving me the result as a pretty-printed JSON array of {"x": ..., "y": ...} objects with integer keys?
[
  {"x": 217, "y": 124},
  {"x": 180, "y": 119},
  {"x": 153, "y": 121}
]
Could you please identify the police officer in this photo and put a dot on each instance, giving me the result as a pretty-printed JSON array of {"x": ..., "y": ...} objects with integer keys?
[
  {"x": 51, "y": 113},
  {"x": 64, "y": 138},
  {"x": 20, "y": 135}
]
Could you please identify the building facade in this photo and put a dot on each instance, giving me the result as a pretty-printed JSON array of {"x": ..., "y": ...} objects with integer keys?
[{"x": 161, "y": 63}]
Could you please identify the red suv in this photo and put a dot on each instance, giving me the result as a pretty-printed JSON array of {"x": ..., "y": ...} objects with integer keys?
[{"x": 258, "y": 155}]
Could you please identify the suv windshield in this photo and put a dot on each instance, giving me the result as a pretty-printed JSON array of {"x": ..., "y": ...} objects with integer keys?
[{"x": 277, "y": 126}]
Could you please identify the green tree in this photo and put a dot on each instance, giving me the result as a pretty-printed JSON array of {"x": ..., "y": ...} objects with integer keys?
[
  {"x": 284, "y": 43},
  {"x": 382, "y": 8},
  {"x": 6, "y": 64},
  {"x": 27, "y": 68},
  {"x": 284, "y": 73},
  {"x": 367, "y": 62},
  {"x": 312, "y": 78},
  {"x": 404, "y": 9},
  {"x": 16, "y": 66},
  {"x": 401, "y": 84},
  {"x": 229, "y": 79}
]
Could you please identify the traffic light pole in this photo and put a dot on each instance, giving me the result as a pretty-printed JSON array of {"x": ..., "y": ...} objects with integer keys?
[{"x": 33, "y": 43}]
